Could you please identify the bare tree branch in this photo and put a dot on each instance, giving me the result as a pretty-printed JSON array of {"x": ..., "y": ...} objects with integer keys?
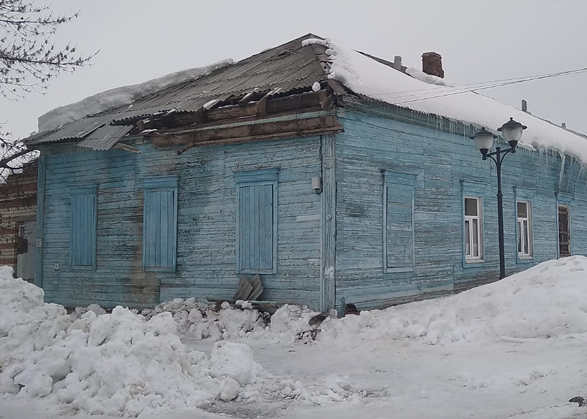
[{"x": 29, "y": 60}]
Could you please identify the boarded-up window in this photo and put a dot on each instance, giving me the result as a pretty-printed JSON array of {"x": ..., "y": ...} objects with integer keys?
[
  {"x": 398, "y": 220},
  {"x": 564, "y": 231},
  {"x": 160, "y": 224},
  {"x": 257, "y": 221},
  {"x": 83, "y": 227}
]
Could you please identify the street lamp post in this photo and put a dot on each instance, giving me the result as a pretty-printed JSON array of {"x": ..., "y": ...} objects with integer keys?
[{"x": 512, "y": 132}]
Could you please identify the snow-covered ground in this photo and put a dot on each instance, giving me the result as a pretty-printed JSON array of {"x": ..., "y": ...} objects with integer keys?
[{"x": 512, "y": 349}]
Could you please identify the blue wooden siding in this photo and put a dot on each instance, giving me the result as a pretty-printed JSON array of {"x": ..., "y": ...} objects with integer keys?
[
  {"x": 257, "y": 221},
  {"x": 350, "y": 242},
  {"x": 83, "y": 227},
  {"x": 444, "y": 167},
  {"x": 398, "y": 221},
  {"x": 207, "y": 208},
  {"x": 160, "y": 224}
]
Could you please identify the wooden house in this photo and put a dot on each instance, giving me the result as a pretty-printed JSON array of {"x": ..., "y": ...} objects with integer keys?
[
  {"x": 294, "y": 165},
  {"x": 18, "y": 207}
]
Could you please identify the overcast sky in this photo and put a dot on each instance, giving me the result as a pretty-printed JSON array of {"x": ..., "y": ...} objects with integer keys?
[{"x": 479, "y": 40}]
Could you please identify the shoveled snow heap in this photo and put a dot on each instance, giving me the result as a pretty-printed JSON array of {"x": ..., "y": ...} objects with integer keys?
[
  {"x": 123, "y": 364},
  {"x": 366, "y": 76},
  {"x": 120, "y": 96},
  {"x": 115, "y": 363},
  {"x": 548, "y": 300}
]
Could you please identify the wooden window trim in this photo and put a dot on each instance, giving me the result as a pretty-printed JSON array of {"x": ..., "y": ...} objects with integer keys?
[
  {"x": 519, "y": 222},
  {"x": 479, "y": 217}
]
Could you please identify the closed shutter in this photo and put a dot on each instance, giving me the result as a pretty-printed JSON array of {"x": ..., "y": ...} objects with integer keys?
[
  {"x": 256, "y": 225},
  {"x": 160, "y": 224},
  {"x": 83, "y": 230},
  {"x": 399, "y": 226}
]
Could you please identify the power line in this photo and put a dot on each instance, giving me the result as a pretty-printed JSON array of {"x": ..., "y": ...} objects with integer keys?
[{"x": 408, "y": 96}]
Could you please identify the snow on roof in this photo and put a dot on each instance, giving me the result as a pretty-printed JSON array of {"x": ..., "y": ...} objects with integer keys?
[
  {"x": 120, "y": 96},
  {"x": 427, "y": 94}
]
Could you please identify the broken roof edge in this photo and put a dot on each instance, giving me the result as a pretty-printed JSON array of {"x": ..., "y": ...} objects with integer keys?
[{"x": 120, "y": 96}]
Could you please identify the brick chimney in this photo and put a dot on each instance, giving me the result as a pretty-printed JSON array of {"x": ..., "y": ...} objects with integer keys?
[{"x": 432, "y": 64}]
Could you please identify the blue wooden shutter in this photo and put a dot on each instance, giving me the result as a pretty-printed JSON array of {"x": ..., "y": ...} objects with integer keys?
[
  {"x": 257, "y": 221},
  {"x": 160, "y": 224},
  {"x": 83, "y": 228},
  {"x": 398, "y": 222}
]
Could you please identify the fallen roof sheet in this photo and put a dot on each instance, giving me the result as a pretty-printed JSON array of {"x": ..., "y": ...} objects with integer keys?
[{"x": 105, "y": 137}]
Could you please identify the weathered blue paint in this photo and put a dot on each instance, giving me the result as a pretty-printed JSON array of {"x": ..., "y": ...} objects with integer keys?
[
  {"x": 328, "y": 224},
  {"x": 445, "y": 167},
  {"x": 160, "y": 224},
  {"x": 40, "y": 222},
  {"x": 256, "y": 221},
  {"x": 83, "y": 227},
  {"x": 398, "y": 222},
  {"x": 386, "y": 228},
  {"x": 207, "y": 208}
]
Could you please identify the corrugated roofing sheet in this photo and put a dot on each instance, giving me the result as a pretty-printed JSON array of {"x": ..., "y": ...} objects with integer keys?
[
  {"x": 105, "y": 137},
  {"x": 289, "y": 67},
  {"x": 73, "y": 130}
]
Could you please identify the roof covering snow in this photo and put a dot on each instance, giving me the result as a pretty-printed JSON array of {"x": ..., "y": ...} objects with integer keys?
[
  {"x": 425, "y": 93},
  {"x": 290, "y": 68}
]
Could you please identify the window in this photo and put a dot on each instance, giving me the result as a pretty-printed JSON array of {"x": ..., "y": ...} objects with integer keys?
[
  {"x": 473, "y": 231},
  {"x": 524, "y": 230},
  {"x": 83, "y": 227},
  {"x": 398, "y": 222},
  {"x": 564, "y": 231},
  {"x": 160, "y": 224},
  {"x": 256, "y": 221}
]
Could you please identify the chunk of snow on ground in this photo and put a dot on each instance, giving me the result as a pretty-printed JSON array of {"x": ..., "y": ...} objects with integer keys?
[
  {"x": 120, "y": 96},
  {"x": 368, "y": 77}
]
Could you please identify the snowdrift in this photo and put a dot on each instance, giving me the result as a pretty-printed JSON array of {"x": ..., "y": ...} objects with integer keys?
[{"x": 545, "y": 301}]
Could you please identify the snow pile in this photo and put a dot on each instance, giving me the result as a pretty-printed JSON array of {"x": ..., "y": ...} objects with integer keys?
[
  {"x": 117, "y": 364},
  {"x": 120, "y": 96},
  {"x": 366, "y": 76},
  {"x": 201, "y": 321},
  {"x": 127, "y": 364},
  {"x": 548, "y": 300}
]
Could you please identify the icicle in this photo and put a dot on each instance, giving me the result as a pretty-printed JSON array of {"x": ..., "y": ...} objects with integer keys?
[{"x": 562, "y": 172}]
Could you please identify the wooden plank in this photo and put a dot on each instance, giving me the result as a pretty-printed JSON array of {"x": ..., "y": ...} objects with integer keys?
[
  {"x": 328, "y": 230},
  {"x": 248, "y": 133},
  {"x": 42, "y": 172}
]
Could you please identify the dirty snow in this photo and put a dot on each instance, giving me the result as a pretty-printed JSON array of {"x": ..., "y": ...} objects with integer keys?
[
  {"x": 120, "y": 96},
  {"x": 366, "y": 76},
  {"x": 514, "y": 348}
]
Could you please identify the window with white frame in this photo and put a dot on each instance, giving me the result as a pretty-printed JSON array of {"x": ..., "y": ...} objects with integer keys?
[
  {"x": 473, "y": 230},
  {"x": 524, "y": 230}
]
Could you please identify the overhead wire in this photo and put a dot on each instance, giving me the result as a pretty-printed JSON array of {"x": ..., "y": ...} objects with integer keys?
[{"x": 416, "y": 95}]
